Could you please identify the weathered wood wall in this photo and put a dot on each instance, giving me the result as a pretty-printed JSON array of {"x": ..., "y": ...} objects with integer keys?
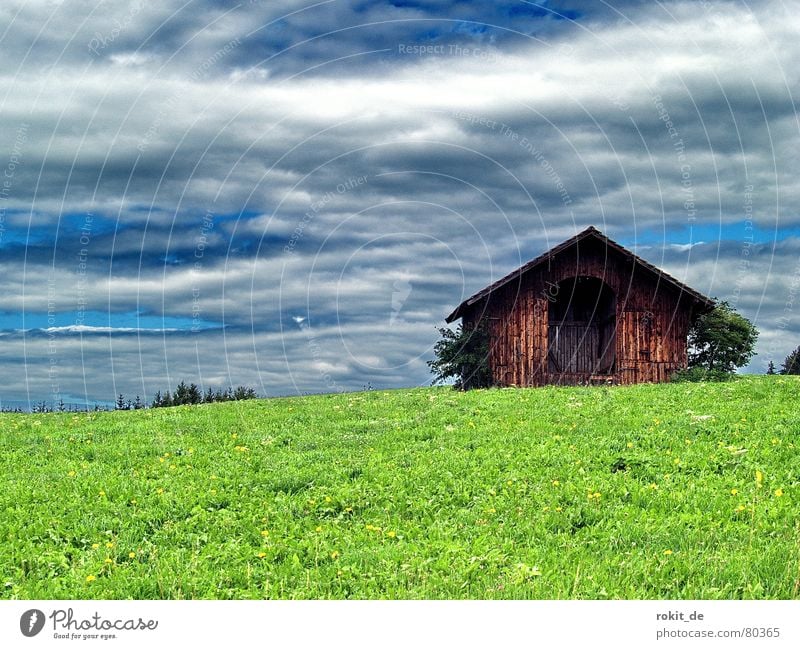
[
  {"x": 574, "y": 347},
  {"x": 649, "y": 335}
]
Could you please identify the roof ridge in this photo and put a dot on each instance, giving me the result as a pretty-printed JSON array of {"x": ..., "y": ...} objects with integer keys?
[{"x": 591, "y": 230}]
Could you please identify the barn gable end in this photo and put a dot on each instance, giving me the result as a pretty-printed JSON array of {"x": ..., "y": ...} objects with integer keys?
[{"x": 586, "y": 311}]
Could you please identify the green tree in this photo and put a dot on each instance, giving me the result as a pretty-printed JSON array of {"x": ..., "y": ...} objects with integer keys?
[
  {"x": 721, "y": 340},
  {"x": 792, "y": 363},
  {"x": 181, "y": 396},
  {"x": 242, "y": 393},
  {"x": 464, "y": 355},
  {"x": 194, "y": 395}
]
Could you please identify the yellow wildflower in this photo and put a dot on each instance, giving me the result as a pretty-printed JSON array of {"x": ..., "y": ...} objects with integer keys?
[
  {"x": 95, "y": 546},
  {"x": 391, "y": 534},
  {"x": 90, "y": 579},
  {"x": 667, "y": 552},
  {"x": 734, "y": 492},
  {"x": 778, "y": 493},
  {"x": 131, "y": 555}
]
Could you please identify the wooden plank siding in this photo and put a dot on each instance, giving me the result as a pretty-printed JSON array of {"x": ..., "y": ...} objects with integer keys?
[
  {"x": 573, "y": 348},
  {"x": 644, "y": 336}
]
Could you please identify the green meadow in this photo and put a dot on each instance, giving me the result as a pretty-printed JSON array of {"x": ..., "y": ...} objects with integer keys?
[{"x": 653, "y": 491}]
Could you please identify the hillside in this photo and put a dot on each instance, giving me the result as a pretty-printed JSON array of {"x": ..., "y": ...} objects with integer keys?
[{"x": 649, "y": 491}]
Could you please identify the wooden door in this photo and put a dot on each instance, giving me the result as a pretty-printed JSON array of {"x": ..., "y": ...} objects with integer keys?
[{"x": 573, "y": 348}]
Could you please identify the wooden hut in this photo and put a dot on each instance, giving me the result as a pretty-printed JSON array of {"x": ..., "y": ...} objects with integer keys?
[{"x": 587, "y": 311}]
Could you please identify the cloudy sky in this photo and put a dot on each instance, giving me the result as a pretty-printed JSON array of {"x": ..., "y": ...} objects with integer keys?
[{"x": 292, "y": 195}]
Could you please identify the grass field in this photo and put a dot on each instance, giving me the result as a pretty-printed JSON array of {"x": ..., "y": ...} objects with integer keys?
[{"x": 652, "y": 491}]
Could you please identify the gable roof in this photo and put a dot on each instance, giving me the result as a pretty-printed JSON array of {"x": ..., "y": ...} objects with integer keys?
[{"x": 591, "y": 231}]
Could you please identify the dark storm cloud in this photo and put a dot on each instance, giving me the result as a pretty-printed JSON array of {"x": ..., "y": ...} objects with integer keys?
[{"x": 281, "y": 38}]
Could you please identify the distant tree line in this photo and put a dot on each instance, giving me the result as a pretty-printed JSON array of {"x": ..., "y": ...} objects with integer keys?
[
  {"x": 60, "y": 406},
  {"x": 183, "y": 395},
  {"x": 191, "y": 395}
]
